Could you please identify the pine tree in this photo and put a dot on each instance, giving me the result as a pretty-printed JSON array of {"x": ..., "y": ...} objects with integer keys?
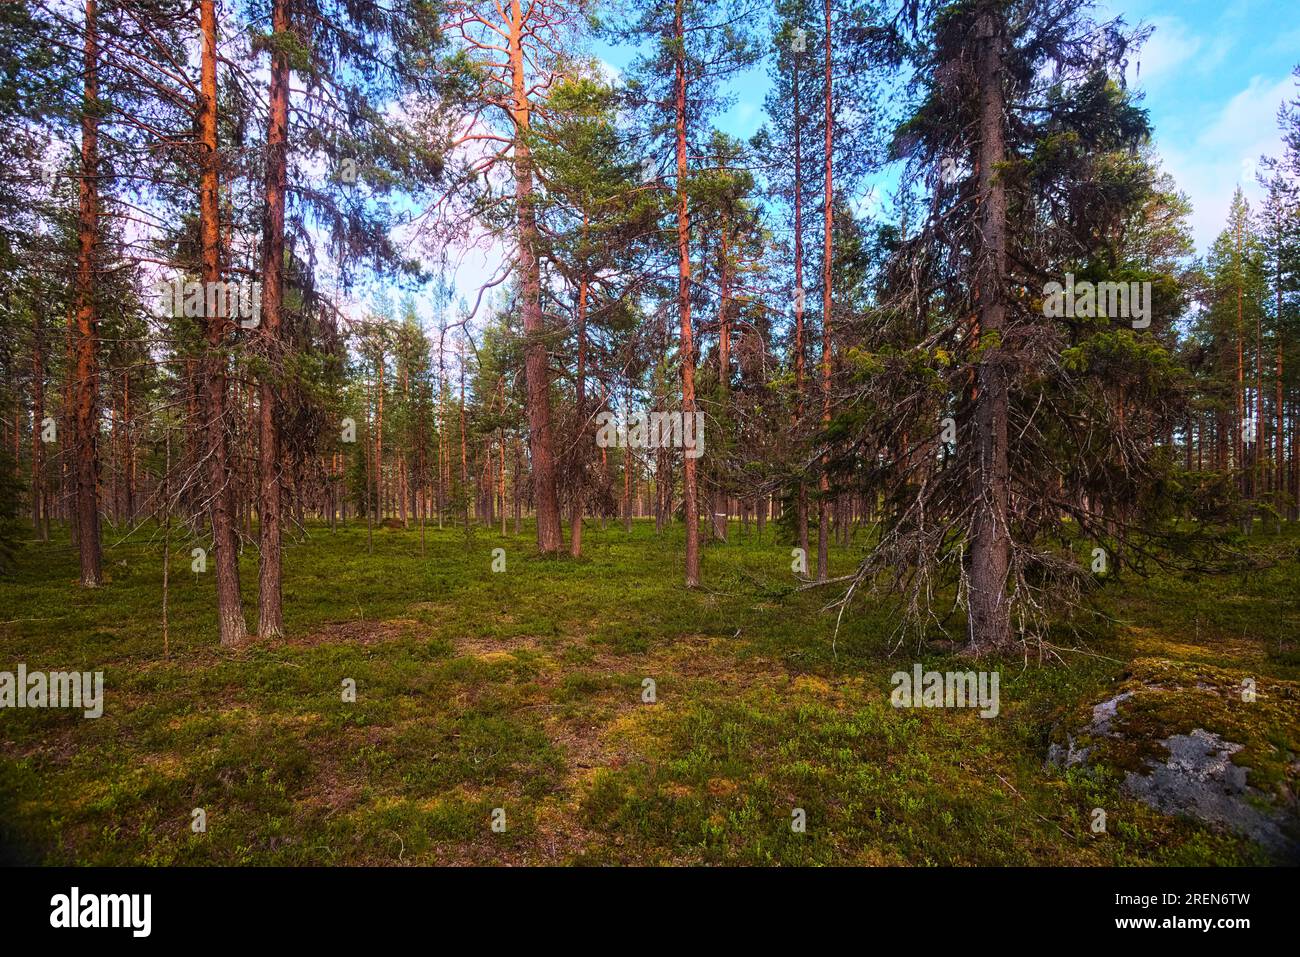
[{"x": 691, "y": 47}]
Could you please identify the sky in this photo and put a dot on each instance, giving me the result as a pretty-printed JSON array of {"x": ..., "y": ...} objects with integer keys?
[{"x": 1212, "y": 76}]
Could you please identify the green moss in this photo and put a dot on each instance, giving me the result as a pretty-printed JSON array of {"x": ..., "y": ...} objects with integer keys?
[
  {"x": 1171, "y": 697},
  {"x": 522, "y": 690}
]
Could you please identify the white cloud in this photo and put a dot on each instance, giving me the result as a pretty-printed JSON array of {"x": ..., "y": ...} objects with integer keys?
[
  {"x": 1170, "y": 46},
  {"x": 1174, "y": 51},
  {"x": 1249, "y": 117},
  {"x": 1224, "y": 153},
  {"x": 1286, "y": 43},
  {"x": 609, "y": 73}
]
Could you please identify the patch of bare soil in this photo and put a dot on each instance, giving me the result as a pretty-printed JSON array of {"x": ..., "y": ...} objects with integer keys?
[
  {"x": 354, "y": 632},
  {"x": 693, "y": 656},
  {"x": 480, "y": 645},
  {"x": 332, "y": 790}
]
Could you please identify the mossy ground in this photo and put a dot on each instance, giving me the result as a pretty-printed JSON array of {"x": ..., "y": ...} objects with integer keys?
[{"x": 523, "y": 690}]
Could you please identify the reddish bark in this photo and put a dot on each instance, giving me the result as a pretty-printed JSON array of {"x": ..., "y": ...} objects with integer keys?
[
  {"x": 801, "y": 493},
  {"x": 40, "y": 508},
  {"x": 221, "y": 506},
  {"x": 86, "y": 368},
  {"x": 1239, "y": 438},
  {"x": 579, "y": 495},
  {"x": 270, "y": 614},
  {"x": 720, "y": 503},
  {"x": 687, "y": 350},
  {"x": 823, "y": 519},
  {"x": 550, "y": 537}
]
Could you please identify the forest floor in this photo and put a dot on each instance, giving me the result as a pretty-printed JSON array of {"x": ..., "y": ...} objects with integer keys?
[{"x": 523, "y": 690}]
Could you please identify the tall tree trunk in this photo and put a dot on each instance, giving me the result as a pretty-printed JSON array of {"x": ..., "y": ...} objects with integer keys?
[
  {"x": 550, "y": 537},
  {"x": 580, "y": 492},
  {"x": 990, "y": 556},
  {"x": 464, "y": 449},
  {"x": 627, "y": 490},
  {"x": 128, "y": 435},
  {"x": 379, "y": 435},
  {"x": 230, "y": 611},
  {"x": 662, "y": 467},
  {"x": 1294, "y": 483},
  {"x": 823, "y": 518},
  {"x": 167, "y": 536},
  {"x": 270, "y": 612},
  {"x": 514, "y": 486},
  {"x": 86, "y": 370},
  {"x": 1259, "y": 473},
  {"x": 441, "y": 453},
  {"x": 40, "y": 510},
  {"x": 724, "y": 374},
  {"x": 801, "y": 491},
  {"x": 111, "y": 497},
  {"x": 1239, "y": 437},
  {"x": 247, "y": 465},
  {"x": 368, "y": 452},
  {"x": 404, "y": 489},
  {"x": 68, "y": 426},
  {"x": 1279, "y": 439},
  {"x": 724, "y": 315},
  {"x": 629, "y": 462},
  {"x": 687, "y": 350}
]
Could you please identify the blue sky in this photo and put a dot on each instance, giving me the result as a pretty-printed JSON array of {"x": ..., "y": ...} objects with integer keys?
[{"x": 1212, "y": 75}]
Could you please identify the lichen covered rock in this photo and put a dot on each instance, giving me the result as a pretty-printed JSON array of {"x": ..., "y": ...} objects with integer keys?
[{"x": 1207, "y": 743}]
